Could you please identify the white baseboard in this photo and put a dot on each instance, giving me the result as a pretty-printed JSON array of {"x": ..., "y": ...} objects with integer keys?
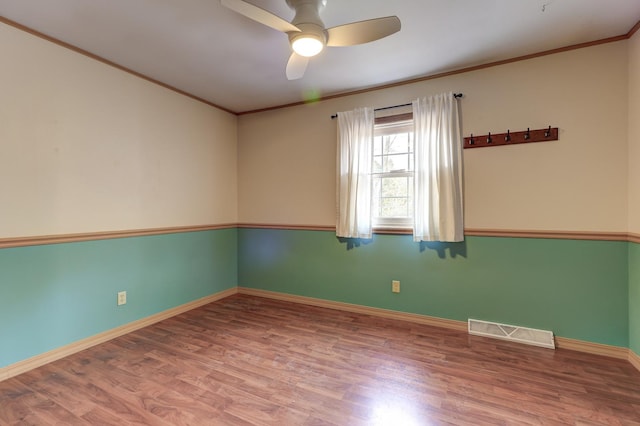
[{"x": 72, "y": 348}]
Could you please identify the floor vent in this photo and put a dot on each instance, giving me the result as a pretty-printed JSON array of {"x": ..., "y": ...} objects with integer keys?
[{"x": 530, "y": 336}]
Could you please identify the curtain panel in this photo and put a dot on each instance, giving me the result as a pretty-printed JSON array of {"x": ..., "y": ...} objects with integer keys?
[
  {"x": 355, "y": 145},
  {"x": 438, "y": 198}
]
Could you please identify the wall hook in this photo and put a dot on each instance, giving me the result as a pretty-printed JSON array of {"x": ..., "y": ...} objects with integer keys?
[
  {"x": 489, "y": 140},
  {"x": 527, "y": 135},
  {"x": 507, "y": 137},
  {"x": 471, "y": 141},
  {"x": 547, "y": 133}
]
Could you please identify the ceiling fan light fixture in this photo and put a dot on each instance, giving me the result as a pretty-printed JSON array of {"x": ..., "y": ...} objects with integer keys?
[
  {"x": 307, "y": 45},
  {"x": 308, "y": 35}
]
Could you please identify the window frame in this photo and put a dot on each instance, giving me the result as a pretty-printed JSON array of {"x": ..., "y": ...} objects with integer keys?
[{"x": 402, "y": 123}]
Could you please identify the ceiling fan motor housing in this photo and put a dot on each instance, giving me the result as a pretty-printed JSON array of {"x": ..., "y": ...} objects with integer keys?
[
  {"x": 299, "y": 5},
  {"x": 307, "y": 19}
]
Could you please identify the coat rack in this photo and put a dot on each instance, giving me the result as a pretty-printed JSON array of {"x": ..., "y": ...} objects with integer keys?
[{"x": 511, "y": 138}]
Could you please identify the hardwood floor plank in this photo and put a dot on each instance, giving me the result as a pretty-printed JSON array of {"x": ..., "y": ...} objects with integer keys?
[
  {"x": 246, "y": 360},
  {"x": 14, "y": 404},
  {"x": 56, "y": 387}
]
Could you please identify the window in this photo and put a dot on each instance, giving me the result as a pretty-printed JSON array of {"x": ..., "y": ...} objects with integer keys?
[
  {"x": 410, "y": 178},
  {"x": 392, "y": 175}
]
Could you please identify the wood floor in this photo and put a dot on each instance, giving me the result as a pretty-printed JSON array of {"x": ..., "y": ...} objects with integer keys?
[{"x": 251, "y": 361}]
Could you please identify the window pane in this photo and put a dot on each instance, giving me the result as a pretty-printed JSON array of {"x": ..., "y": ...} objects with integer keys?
[
  {"x": 376, "y": 196},
  {"x": 410, "y": 199},
  {"x": 397, "y": 143},
  {"x": 394, "y": 207},
  {"x": 395, "y": 187},
  {"x": 378, "y": 164},
  {"x": 396, "y": 162},
  {"x": 377, "y": 145}
]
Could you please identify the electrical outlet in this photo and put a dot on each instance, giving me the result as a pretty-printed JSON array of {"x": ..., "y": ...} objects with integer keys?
[
  {"x": 122, "y": 298},
  {"x": 395, "y": 286}
]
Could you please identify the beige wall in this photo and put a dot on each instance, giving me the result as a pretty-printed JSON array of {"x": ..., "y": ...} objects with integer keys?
[
  {"x": 634, "y": 134},
  {"x": 86, "y": 147},
  {"x": 287, "y": 157}
]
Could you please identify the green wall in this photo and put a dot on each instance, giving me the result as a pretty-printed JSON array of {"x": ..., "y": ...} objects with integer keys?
[
  {"x": 577, "y": 289},
  {"x": 53, "y": 295},
  {"x": 634, "y": 297}
]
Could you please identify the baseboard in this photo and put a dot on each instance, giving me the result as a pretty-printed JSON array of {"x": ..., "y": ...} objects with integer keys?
[
  {"x": 358, "y": 309},
  {"x": 634, "y": 359},
  {"x": 561, "y": 342},
  {"x": 592, "y": 348},
  {"x": 56, "y": 354},
  {"x": 72, "y": 348}
]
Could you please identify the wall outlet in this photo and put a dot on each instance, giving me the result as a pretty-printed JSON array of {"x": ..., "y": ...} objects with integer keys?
[
  {"x": 395, "y": 286},
  {"x": 122, "y": 298}
]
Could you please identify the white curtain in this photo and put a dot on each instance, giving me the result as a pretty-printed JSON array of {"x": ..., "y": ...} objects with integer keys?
[
  {"x": 355, "y": 144},
  {"x": 438, "y": 207}
]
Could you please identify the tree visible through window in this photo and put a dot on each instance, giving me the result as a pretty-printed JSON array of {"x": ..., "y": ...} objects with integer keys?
[{"x": 392, "y": 173}]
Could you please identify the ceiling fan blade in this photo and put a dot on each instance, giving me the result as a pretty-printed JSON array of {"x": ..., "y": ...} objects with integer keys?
[
  {"x": 259, "y": 15},
  {"x": 296, "y": 66},
  {"x": 363, "y": 31}
]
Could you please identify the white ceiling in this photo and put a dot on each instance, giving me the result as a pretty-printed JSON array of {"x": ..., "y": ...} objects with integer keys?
[{"x": 210, "y": 52}]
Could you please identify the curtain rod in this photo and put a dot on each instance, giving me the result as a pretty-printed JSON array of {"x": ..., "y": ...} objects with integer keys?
[{"x": 455, "y": 95}]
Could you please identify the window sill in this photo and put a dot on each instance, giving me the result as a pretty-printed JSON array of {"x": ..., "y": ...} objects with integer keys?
[{"x": 396, "y": 230}]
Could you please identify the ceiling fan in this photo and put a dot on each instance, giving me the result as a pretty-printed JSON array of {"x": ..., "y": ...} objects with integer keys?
[{"x": 307, "y": 33}]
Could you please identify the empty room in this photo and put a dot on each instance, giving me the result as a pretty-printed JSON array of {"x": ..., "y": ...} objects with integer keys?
[{"x": 431, "y": 217}]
